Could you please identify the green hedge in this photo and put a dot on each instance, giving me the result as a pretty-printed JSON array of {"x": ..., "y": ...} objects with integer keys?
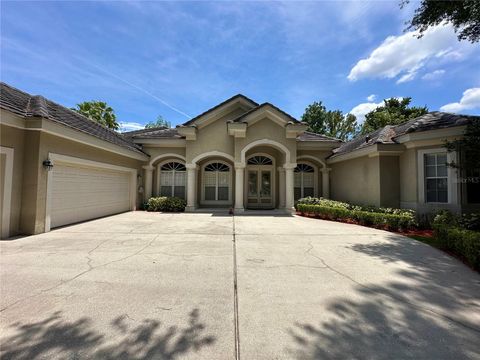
[
  {"x": 167, "y": 204},
  {"x": 368, "y": 218},
  {"x": 464, "y": 243}
]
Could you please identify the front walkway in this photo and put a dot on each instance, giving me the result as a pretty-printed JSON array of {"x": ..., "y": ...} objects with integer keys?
[{"x": 161, "y": 286}]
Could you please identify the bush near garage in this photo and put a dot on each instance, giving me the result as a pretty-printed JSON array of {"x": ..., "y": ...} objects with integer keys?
[
  {"x": 384, "y": 218},
  {"x": 460, "y": 235},
  {"x": 166, "y": 204}
]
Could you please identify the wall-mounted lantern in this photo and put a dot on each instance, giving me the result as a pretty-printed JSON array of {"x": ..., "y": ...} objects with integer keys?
[{"x": 48, "y": 164}]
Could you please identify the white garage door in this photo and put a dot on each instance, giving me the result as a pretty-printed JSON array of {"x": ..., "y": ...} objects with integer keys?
[{"x": 82, "y": 193}]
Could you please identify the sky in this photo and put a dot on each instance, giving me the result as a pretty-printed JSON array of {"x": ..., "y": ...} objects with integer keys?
[{"x": 178, "y": 59}]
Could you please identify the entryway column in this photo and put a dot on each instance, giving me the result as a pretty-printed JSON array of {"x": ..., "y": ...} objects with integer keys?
[
  {"x": 191, "y": 186},
  {"x": 289, "y": 198},
  {"x": 281, "y": 186},
  {"x": 239, "y": 184},
  {"x": 326, "y": 183},
  {"x": 148, "y": 182}
]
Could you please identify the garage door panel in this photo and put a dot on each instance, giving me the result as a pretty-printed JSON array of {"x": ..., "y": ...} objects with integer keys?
[{"x": 80, "y": 193}]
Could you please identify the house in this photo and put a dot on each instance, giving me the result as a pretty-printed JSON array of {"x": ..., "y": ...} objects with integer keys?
[{"x": 59, "y": 167}]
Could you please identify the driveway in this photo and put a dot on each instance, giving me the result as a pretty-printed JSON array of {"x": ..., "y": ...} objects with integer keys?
[{"x": 211, "y": 286}]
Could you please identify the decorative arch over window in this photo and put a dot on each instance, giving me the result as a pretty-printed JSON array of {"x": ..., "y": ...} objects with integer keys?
[
  {"x": 304, "y": 181},
  {"x": 259, "y": 160},
  {"x": 173, "y": 179},
  {"x": 217, "y": 183}
]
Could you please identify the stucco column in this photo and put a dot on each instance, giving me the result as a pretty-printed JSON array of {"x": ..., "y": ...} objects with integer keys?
[
  {"x": 281, "y": 187},
  {"x": 191, "y": 187},
  {"x": 326, "y": 183},
  {"x": 148, "y": 180},
  {"x": 289, "y": 198},
  {"x": 239, "y": 185}
]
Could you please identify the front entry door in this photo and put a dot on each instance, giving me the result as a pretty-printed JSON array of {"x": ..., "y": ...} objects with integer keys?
[{"x": 260, "y": 191}]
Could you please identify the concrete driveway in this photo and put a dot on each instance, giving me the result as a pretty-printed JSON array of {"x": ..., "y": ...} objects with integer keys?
[{"x": 210, "y": 286}]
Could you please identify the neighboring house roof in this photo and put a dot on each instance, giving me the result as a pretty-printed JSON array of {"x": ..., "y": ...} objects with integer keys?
[
  {"x": 259, "y": 107},
  {"x": 153, "y": 133},
  {"x": 310, "y": 136},
  {"x": 434, "y": 120},
  {"x": 29, "y": 106},
  {"x": 235, "y": 97}
]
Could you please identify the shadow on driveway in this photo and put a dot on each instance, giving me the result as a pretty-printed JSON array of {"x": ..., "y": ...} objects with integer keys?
[
  {"x": 430, "y": 311},
  {"x": 55, "y": 337}
]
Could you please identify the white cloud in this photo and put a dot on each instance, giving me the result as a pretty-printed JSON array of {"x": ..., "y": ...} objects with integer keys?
[
  {"x": 434, "y": 75},
  {"x": 363, "y": 109},
  {"x": 470, "y": 100},
  {"x": 405, "y": 55},
  {"x": 130, "y": 126},
  {"x": 371, "y": 98}
]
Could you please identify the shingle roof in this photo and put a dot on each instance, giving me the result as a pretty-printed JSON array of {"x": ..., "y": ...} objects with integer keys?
[
  {"x": 434, "y": 120},
  {"x": 153, "y": 133},
  {"x": 29, "y": 106},
  {"x": 238, "y": 96},
  {"x": 310, "y": 136}
]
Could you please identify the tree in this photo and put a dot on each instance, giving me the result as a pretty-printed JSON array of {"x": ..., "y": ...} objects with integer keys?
[
  {"x": 331, "y": 123},
  {"x": 160, "y": 122},
  {"x": 463, "y": 15},
  {"x": 394, "y": 111},
  {"x": 98, "y": 111}
]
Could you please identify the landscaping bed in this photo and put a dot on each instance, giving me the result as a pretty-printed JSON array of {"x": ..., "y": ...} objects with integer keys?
[{"x": 457, "y": 235}]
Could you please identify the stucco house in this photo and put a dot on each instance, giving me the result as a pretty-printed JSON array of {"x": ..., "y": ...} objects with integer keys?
[{"x": 58, "y": 167}]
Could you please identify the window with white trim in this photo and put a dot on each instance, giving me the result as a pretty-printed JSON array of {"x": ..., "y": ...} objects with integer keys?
[
  {"x": 436, "y": 178},
  {"x": 173, "y": 179},
  {"x": 216, "y": 182},
  {"x": 304, "y": 181}
]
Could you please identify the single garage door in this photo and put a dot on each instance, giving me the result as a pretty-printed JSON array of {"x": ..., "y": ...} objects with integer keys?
[{"x": 83, "y": 193}]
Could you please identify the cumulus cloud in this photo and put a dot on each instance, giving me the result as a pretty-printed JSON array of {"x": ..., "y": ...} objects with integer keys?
[
  {"x": 434, "y": 75},
  {"x": 405, "y": 55},
  {"x": 371, "y": 98},
  {"x": 130, "y": 126},
  {"x": 363, "y": 109},
  {"x": 470, "y": 100}
]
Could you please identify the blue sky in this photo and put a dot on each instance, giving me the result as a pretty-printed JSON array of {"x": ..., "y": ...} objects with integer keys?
[{"x": 177, "y": 59}]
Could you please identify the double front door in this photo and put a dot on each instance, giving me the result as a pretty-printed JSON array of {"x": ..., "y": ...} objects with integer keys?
[{"x": 260, "y": 187}]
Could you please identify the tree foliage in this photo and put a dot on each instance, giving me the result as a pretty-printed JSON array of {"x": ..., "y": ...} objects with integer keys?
[
  {"x": 464, "y": 15},
  {"x": 394, "y": 111},
  {"x": 160, "y": 122},
  {"x": 98, "y": 111},
  {"x": 331, "y": 123},
  {"x": 468, "y": 146}
]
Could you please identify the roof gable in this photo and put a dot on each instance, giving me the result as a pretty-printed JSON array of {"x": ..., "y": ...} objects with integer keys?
[
  {"x": 223, "y": 108},
  {"x": 266, "y": 110}
]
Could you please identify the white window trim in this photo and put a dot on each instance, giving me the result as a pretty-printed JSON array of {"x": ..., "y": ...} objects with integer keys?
[
  {"x": 64, "y": 159},
  {"x": 159, "y": 170},
  {"x": 315, "y": 177},
  {"x": 217, "y": 202},
  {"x": 260, "y": 167},
  {"x": 451, "y": 176},
  {"x": 7, "y": 190}
]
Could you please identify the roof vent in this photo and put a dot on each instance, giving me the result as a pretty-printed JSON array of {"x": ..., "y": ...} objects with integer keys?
[{"x": 367, "y": 138}]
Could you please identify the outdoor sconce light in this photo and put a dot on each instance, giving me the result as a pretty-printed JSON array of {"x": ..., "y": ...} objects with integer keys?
[{"x": 48, "y": 164}]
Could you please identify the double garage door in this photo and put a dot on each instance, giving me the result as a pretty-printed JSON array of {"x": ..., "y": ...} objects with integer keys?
[{"x": 83, "y": 193}]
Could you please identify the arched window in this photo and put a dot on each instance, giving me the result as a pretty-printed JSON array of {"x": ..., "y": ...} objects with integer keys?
[
  {"x": 216, "y": 182},
  {"x": 304, "y": 180},
  {"x": 259, "y": 160},
  {"x": 173, "y": 179}
]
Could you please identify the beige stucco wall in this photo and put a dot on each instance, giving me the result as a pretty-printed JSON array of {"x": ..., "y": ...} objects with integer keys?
[
  {"x": 408, "y": 178},
  {"x": 14, "y": 138},
  {"x": 356, "y": 181},
  {"x": 389, "y": 181}
]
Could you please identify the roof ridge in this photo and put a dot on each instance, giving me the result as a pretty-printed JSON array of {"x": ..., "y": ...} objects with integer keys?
[{"x": 189, "y": 122}]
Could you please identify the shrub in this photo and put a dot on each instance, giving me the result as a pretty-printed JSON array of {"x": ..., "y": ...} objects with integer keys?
[
  {"x": 344, "y": 205},
  {"x": 465, "y": 243},
  {"x": 368, "y": 218},
  {"x": 167, "y": 204}
]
